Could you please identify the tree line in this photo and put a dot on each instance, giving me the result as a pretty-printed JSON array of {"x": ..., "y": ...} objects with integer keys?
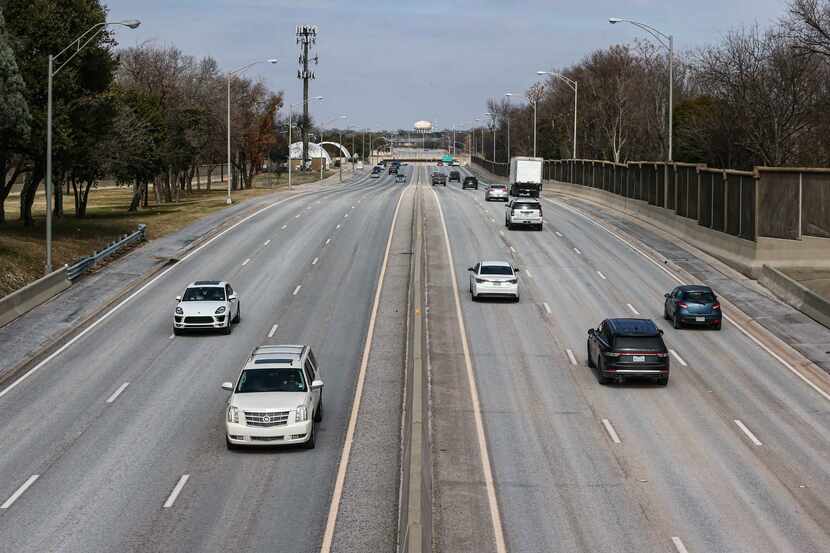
[
  {"x": 142, "y": 115},
  {"x": 759, "y": 96}
]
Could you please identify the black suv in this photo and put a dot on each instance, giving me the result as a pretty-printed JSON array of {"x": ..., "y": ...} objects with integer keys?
[
  {"x": 621, "y": 348},
  {"x": 469, "y": 182},
  {"x": 439, "y": 178},
  {"x": 393, "y": 169},
  {"x": 455, "y": 176}
]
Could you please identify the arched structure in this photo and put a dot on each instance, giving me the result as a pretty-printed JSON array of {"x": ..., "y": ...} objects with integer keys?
[
  {"x": 343, "y": 149},
  {"x": 314, "y": 151}
]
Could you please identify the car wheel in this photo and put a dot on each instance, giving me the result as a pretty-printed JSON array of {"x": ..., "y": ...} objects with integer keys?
[
  {"x": 516, "y": 299},
  {"x": 238, "y": 314},
  {"x": 665, "y": 312},
  {"x": 588, "y": 349},
  {"x": 718, "y": 326},
  {"x": 176, "y": 331},
  {"x": 663, "y": 381},
  {"x": 676, "y": 322},
  {"x": 310, "y": 443},
  {"x": 539, "y": 228},
  {"x": 318, "y": 415},
  {"x": 227, "y": 330},
  {"x": 231, "y": 446},
  {"x": 601, "y": 378}
]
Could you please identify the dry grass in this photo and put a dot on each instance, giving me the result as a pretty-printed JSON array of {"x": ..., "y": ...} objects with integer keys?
[{"x": 23, "y": 249}]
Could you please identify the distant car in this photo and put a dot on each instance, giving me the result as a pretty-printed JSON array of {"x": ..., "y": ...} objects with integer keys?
[
  {"x": 469, "y": 182},
  {"x": 454, "y": 163},
  {"x": 382, "y": 163},
  {"x": 393, "y": 169},
  {"x": 455, "y": 176},
  {"x": 376, "y": 172},
  {"x": 496, "y": 192},
  {"x": 523, "y": 213},
  {"x": 494, "y": 279},
  {"x": 276, "y": 400},
  {"x": 624, "y": 348},
  {"x": 207, "y": 305},
  {"x": 440, "y": 163},
  {"x": 400, "y": 177},
  {"x": 693, "y": 305},
  {"x": 439, "y": 178}
]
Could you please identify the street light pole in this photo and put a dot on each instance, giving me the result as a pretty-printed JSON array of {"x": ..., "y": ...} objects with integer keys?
[
  {"x": 508, "y": 96},
  {"x": 534, "y": 127},
  {"x": 573, "y": 85},
  {"x": 79, "y": 44},
  {"x": 667, "y": 42}
]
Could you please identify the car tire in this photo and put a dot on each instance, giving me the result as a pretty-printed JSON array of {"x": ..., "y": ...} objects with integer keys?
[
  {"x": 318, "y": 415},
  {"x": 718, "y": 326},
  {"x": 666, "y": 313},
  {"x": 539, "y": 228},
  {"x": 663, "y": 381},
  {"x": 676, "y": 322},
  {"x": 227, "y": 330},
  {"x": 601, "y": 378},
  {"x": 238, "y": 314},
  {"x": 588, "y": 350},
  {"x": 176, "y": 332},
  {"x": 231, "y": 446},
  {"x": 310, "y": 443}
]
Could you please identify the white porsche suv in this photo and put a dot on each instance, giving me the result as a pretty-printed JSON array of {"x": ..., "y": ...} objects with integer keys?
[
  {"x": 276, "y": 400},
  {"x": 207, "y": 305}
]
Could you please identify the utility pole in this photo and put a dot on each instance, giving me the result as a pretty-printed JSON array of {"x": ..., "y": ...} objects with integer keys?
[{"x": 306, "y": 39}]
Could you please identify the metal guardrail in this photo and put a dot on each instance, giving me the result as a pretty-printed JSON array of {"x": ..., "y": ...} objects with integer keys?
[{"x": 85, "y": 264}]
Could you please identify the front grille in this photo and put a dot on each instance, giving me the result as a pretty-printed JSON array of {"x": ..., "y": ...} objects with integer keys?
[
  {"x": 266, "y": 438},
  {"x": 199, "y": 320},
  {"x": 275, "y": 418}
]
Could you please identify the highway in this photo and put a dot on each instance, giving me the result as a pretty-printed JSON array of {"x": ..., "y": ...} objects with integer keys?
[
  {"x": 117, "y": 444},
  {"x": 731, "y": 456}
]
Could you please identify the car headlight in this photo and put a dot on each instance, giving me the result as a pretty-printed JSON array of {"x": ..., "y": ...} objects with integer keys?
[
  {"x": 233, "y": 414},
  {"x": 480, "y": 280},
  {"x": 220, "y": 310},
  {"x": 302, "y": 414},
  {"x": 179, "y": 311}
]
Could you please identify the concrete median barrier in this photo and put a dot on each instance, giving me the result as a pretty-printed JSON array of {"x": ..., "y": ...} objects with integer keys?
[
  {"x": 796, "y": 294},
  {"x": 30, "y": 296}
]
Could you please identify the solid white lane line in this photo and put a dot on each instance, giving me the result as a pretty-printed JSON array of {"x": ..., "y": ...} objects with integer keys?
[
  {"x": 677, "y": 279},
  {"x": 577, "y": 251},
  {"x": 284, "y": 227},
  {"x": 298, "y": 215},
  {"x": 246, "y": 261},
  {"x": 267, "y": 242},
  {"x": 297, "y": 289},
  {"x": 176, "y": 491},
  {"x": 495, "y": 515},
  {"x": 346, "y": 216},
  {"x": 547, "y": 307},
  {"x": 631, "y": 308},
  {"x": 501, "y": 232},
  {"x": 748, "y": 433},
  {"x": 571, "y": 356},
  {"x": 13, "y": 497},
  {"x": 559, "y": 234},
  {"x": 129, "y": 298},
  {"x": 678, "y": 544},
  {"x": 316, "y": 259},
  {"x": 611, "y": 432},
  {"x": 328, "y": 240},
  {"x": 117, "y": 392},
  {"x": 338, "y": 227},
  {"x": 602, "y": 276},
  {"x": 273, "y": 331},
  {"x": 679, "y": 359},
  {"x": 337, "y": 494},
  {"x": 512, "y": 249},
  {"x": 528, "y": 273},
  {"x": 171, "y": 336}
]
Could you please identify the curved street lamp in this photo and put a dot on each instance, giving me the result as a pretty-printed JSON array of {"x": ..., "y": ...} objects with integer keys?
[{"x": 573, "y": 85}]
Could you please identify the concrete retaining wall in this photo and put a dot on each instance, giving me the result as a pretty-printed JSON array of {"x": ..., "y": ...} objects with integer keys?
[
  {"x": 796, "y": 294},
  {"x": 30, "y": 296}
]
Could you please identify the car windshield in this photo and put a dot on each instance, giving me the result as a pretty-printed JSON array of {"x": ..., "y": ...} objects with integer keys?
[
  {"x": 496, "y": 270},
  {"x": 527, "y": 206},
  {"x": 204, "y": 293},
  {"x": 497, "y": 186},
  {"x": 648, "y": 343},
  {"x": 271, "y": 380},
  {"x": 699, "y": 296}
]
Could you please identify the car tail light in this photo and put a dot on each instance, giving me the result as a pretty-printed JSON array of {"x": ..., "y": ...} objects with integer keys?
[
  {"x": 662, "y": 355},
  {"x": 481, "y": 280},
  {"x": 513, "y": 281},
  {"x": 612, "y": 354},
  {"x": 716, "y": 306},
  {"x": 682, "y": 305}
]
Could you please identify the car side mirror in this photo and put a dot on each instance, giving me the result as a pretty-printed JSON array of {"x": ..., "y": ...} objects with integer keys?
[
  {"x": 178, "y": 298},
  {"x": 232, "y": 297},
  {"x": 516, "y": 270},
  {"x": 227, "y": 386},
  {"x": 591, "y": 332},
  {"x": 666, "y": 295},
  {"x": 317, "y": 385},
  {"x": 471, "y": 269},
  {"x": 660, "y": 330}
]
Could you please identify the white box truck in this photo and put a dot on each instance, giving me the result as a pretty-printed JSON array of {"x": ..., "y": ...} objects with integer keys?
[{"x": 526, "y": 176}]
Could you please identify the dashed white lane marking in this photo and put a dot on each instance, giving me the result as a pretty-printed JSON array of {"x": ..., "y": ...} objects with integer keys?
[
  {"x": 492, "y": 220},
  {"x": 284, "y": 227},
  {"x": 297, "y": 289},
  {"x": 678, "y": 544},
  {"x": 13, "y": 497},
  {"x": 602, "y": 276},
  {"x": 577, "y": 251},
  {"x": 297, "y": 216},
  {"x": 338, "y": 227},
  {"x": 559, "y": 234},
  {"x": 346, "y": 216},
  {"x": 679, "y": 359},
  {"x": 273, "y": 331},
  {"x": 547, "y": 307},
  {"x": 171, "y": 336},
  {"x": 176, "y": 491},
  {"x": 528, "y": 273},
  {"x": 501, "y": 232},
  {"x": 512, "y": 249},
  {"x": 316, "y": 259},
  {"x": 246, "y": 261},
  {"x": 117, "y": 392},
  {"x": 327, "y": 241},
  {"x": 267, "y": 242},
  {"x": 352, "y": 207},
  {"x": 571, "y": 356},
  {"x": 631, "y": 308},
  {"x": 611, "y": 432},
  {"x": 748, "y": 433}
]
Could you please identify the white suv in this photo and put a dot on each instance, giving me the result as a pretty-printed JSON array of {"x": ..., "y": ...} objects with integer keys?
[
  {"x": 523, "y": 213},
  {"x": 494, "y": 279},
  {"x": 207, "y": 305},
  {"x": 276, "y": 399}
]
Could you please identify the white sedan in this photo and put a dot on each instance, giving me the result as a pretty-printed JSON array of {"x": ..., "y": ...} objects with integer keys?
[
  {"x": 494, "y": 279},
  {"x": 207, "y": 305}
]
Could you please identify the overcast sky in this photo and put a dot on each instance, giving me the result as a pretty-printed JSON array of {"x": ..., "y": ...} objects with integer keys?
[{"x": 389, "y": 63}]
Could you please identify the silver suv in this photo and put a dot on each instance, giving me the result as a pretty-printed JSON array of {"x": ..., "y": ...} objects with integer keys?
[
  {"x": 523, "y": 213},
  {"x": 277, "y": 398}
]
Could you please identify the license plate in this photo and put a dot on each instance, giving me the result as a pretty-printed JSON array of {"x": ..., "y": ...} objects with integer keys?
[
  {"x": 639, "y": 358},
  {"x": 700, "y": 319}
]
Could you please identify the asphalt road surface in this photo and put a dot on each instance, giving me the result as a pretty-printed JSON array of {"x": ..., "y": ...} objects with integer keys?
[
  {"x": 733, "y": 456},
  {"x": 111, "y": 460}
]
